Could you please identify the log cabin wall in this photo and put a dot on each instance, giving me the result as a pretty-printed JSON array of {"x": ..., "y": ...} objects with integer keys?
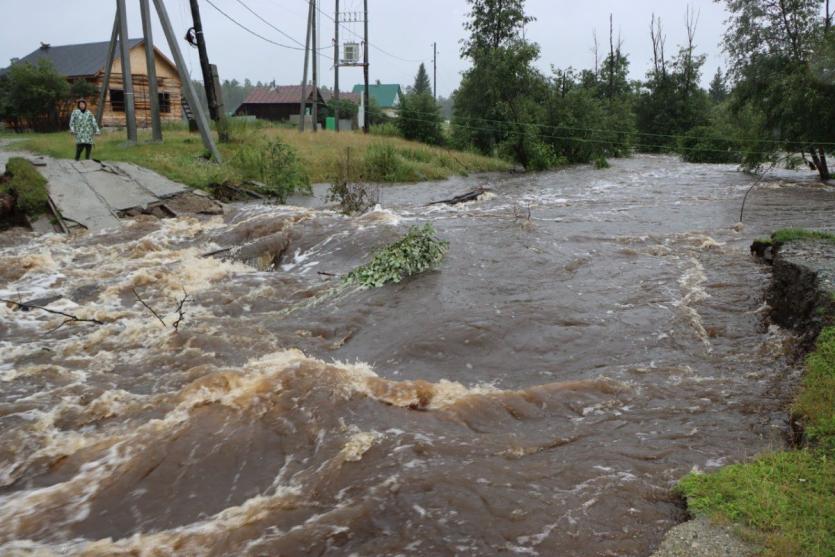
[{"x": 168, "y": 85}]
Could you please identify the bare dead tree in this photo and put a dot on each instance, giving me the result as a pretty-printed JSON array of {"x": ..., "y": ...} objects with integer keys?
[
  {"x": 70, "y": 318},
  {"x": 692, "y": 22},
  {"x": 596, "y": 50},
  {"x": 656, "y": 33}
]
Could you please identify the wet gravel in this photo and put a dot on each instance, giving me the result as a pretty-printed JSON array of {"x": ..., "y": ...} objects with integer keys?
[{"x": 701, "y": 538}]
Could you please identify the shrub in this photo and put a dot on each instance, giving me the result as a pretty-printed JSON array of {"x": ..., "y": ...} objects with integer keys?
[
  {"x": 27, "y": 186},
  {"x": 352, "y": 197},
  {"x": 276, "y": 166},
  {"x": 420, "y": 250},
  {"x": 600, "y": 162},
  {"x": 386, "y": 129},
  {"x": 383, "y": 164},
  {"x": 709, "y": 144}
]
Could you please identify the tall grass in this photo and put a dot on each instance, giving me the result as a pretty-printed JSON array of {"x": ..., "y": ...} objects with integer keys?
[{"x": 182, "y": 157}]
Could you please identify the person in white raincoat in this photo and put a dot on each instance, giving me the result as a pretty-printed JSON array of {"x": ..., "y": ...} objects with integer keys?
[{"x": 84, "y": 127}]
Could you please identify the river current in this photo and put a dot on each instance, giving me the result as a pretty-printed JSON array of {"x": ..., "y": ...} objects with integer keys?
[{"x": 592, "y": 336}]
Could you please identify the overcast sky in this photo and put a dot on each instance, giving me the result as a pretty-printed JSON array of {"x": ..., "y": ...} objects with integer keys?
[{"x": 404, "y": 29}]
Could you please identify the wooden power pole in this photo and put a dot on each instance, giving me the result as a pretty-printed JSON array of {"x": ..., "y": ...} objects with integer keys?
[
  {"x": 336, "y": 66},
  {"x": 210, "y": 84},
  {"x": 367, "y": 114},
  {"x": 435, "y": 70},
  {"x": 150, "y": 59},
  {"x": 315, "y": 54},
  {"x": 304, "y": 73},
  {"x": 127, "y": 78},
  {"x": 108, "y": 68}
]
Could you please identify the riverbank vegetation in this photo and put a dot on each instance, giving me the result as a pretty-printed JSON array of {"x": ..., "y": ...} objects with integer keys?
[
  {"x": 777, "y": 106},
  {"x": 321, "y": 156},
  {"x": 26, "y": 186},
  {"x": 786, "y": 499}
]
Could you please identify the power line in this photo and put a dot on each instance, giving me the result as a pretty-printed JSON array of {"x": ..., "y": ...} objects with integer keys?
[
  {"x": 250, "y": 31},
  {"x": 634, "y": 132},
  {"x": 250, "y": 10}
]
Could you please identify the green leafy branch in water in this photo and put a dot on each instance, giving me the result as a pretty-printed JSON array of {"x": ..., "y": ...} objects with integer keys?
[{"x": 420, "y": 250}]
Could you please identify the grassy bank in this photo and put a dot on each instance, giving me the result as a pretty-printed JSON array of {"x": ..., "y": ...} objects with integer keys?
[
  {"x": 26, "y": 185},
  {"x": 785, "y": 500},
  {"x": 324, "y": 155}
]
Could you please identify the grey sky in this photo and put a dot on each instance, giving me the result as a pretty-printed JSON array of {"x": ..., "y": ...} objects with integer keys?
[{"x": 403, "y": 28}]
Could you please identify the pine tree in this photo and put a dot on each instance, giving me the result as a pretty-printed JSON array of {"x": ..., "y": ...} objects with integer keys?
[
  {"x": 718, "y": 89},
  {"x": 422, "y": 84}
]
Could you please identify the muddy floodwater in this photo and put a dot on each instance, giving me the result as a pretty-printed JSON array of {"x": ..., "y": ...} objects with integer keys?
[{"x": 539, "y": 394}]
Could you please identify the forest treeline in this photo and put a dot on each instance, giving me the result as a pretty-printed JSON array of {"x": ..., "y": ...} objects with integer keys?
[{"x": 776, "y": 104}]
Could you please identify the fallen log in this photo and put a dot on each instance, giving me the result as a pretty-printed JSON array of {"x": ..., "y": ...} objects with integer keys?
[{"x": 463, "y": 198}]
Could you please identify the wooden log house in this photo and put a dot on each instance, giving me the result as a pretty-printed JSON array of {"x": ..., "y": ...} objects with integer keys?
[{"x": 87, "y": 61}]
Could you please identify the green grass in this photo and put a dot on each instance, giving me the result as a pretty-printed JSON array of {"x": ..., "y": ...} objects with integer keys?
[
  {"x": 181, "y": 156},
  {"x": 27, "y": 185},
  {"x": 815, "y": 404},
  {"x": 787, "y": 498},
  {"x": 795, "y": 234}
]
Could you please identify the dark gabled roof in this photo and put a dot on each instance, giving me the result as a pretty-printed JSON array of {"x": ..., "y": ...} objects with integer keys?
[
  {"x": 75, "y": 60},
  {"x": 327, "y": 95},
  {"x": 281, "y": 94}
]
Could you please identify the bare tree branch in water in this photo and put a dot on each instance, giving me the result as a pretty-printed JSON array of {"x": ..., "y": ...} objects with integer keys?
[
  {"x": 70, "y": 318},
  {"x": 149, "y": 308},
  {"x": 181, "y": 312}
]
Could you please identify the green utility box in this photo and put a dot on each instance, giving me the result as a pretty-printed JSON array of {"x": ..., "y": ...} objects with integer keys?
[{"x": 330, "y": 123}]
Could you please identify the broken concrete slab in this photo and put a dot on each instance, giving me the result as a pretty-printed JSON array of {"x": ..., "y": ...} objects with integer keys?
[
  {"x": 117, "y": 190},
  {"x": 75, "y": 199},
  {"x": 158, "y": 185}
]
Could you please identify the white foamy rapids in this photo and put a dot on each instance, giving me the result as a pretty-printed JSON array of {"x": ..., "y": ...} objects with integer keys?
[{"x": 692, "y": 289}]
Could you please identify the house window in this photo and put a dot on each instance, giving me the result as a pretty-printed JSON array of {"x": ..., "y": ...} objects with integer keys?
[
  {"x": 165, "y": 103},
  {"x": 117, "y": 100}
]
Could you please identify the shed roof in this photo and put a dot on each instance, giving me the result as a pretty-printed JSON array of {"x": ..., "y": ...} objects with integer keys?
[
  {"x": 74, "y": 60},
  {"x": 281, "y": 94},
  {"x": 386, "y": 95}
]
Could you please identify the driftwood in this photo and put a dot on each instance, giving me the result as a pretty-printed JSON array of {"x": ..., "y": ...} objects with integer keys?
[
  {"x": 463, "y": 198},
  {"x": 263, "y": 253},
  {"x": 70, "y": 318}
]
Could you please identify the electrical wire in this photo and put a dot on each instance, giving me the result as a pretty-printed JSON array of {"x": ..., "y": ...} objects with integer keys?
[
  {"x": 637, "y": 133},
  {"x": 250, "y": 31}
]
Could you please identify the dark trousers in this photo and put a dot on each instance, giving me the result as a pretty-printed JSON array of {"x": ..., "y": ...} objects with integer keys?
[{"x": 83, "y": 147}]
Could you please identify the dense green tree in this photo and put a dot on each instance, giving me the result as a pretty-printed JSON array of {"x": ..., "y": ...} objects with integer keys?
[
  {"x": 671, "y": 102},
  {"x": 34, "y": 96},
  {"x": 499, "y": 102},
  {"x": 422, "y": 84},
  {"x": 718, "y": 91},
  {"x": 419, "y": 116},
  {"x": 782, "y": 55}
]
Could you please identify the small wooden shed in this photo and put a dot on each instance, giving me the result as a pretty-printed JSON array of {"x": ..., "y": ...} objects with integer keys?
[{"x": 87, "y": 61}]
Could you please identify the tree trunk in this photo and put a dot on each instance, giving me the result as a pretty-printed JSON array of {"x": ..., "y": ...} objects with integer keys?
[{"x": 823, "y": 168}]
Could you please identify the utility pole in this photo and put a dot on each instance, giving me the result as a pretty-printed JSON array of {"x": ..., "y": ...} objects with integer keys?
[
  {"x": 315, "y": 54},
  {"x": 188, "y": 86},
  {"x": 150, "y": 60},
  {"x": 108, "y": 69},
  {"x": 212, "y": 93},
  {"x": 127, "y": 79},
  {"x": 336, "y": 66},
  {"x": 365, "y": 71},
  {"x": 306, "y": 58},
  {"x": 435, "y": 70}
]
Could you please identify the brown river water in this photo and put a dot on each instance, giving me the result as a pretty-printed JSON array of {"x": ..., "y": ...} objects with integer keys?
[{"x": 539, "y": 394}]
